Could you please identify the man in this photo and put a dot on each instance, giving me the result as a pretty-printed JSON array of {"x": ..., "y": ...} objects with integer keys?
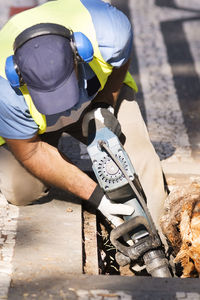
[{"x": 55, "y": 91}]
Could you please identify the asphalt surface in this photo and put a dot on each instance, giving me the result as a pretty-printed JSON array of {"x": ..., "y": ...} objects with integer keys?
[{"x": 41, "y": 254}]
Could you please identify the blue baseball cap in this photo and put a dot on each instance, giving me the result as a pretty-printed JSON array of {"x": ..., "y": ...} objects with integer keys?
[{"x": 46, "y": 64}]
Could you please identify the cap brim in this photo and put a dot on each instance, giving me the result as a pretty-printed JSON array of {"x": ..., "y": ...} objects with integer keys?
[{"x": 63, "y": 98}]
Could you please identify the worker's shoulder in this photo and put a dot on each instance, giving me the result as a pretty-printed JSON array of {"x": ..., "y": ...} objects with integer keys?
[
  {"x": 15, "y": 119},
  {"x": 8, "y": 95},
  {"x": 4, "y": 86},
  {"x": 113, "y": 31},
  {"x": 111, "y": 24},
  {"x": 99, "y": 9}
]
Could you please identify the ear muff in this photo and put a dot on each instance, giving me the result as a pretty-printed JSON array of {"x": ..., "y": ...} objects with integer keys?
[
  {"x": 80, "y": 44},
  {"x": 83, "y": 46},
  {"x": 11, "y": 72}
]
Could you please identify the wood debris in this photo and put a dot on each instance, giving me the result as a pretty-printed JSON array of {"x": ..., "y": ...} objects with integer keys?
[{"x": 181, "y": 225}]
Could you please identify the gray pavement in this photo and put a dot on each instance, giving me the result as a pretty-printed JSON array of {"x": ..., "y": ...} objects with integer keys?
[
  {"x": 40, "y": 240},
  {"x": 49, "y": 238}
]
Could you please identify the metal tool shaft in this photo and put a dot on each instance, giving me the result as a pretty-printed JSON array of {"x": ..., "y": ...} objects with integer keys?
[{"x": 156, "y": 264}]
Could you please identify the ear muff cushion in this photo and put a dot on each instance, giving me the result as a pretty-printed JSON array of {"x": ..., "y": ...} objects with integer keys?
[
  {"x": 11, "y": 73},
  {"x": 83, "y": 46}
]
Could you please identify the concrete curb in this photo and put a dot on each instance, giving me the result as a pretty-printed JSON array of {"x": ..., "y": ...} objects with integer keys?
[{"x": 103, "y": 287}]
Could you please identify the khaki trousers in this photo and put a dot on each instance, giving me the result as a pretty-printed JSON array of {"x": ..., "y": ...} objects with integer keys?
[
  {"x": 21, "y": 188},
  {"x": 17, "y": 185},
  {"x": 144, "y": 158}
]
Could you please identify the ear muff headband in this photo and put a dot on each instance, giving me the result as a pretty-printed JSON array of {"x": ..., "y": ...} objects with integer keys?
[
  {"x": 81, "y": 45},
  {"x": 39, "y": 30}
]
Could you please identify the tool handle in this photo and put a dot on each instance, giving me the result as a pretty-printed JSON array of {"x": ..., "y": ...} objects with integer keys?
[{"x": 138, "y": 249}]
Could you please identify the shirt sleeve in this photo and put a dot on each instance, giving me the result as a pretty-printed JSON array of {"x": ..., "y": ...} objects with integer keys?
[
  {"x": 113, "y": 31},
  {"x": 15, "y": 119}
]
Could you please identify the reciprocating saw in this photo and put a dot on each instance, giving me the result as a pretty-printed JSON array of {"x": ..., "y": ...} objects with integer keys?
[{"x": 117, "y": 177}]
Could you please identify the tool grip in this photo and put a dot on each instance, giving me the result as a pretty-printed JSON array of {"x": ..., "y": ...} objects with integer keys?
[{"x": 138, "y": 249}]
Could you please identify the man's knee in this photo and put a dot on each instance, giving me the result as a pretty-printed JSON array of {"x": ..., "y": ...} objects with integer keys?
[
  {"x": 17, "y": 185},
  {"x": 22, "y": 189},
  {"x": 22, "y": 196},
  {"x": 17, "y": 200}
]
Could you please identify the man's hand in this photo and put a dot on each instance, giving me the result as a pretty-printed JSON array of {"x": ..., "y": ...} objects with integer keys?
[
  {"x": 101, "y": 117},
  {"x": 112, "y": 210}
]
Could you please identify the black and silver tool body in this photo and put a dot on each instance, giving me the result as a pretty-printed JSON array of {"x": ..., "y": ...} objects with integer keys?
[{"x": 117, "y": 177}]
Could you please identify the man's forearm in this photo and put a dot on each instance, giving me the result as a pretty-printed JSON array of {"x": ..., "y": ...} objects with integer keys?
[
  {"x": 113, "y": 85},
  {"x": 47, "y": 164}
]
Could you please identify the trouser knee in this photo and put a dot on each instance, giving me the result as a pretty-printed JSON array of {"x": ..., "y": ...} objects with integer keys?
[
  {"x": 18, "y": 186},
  {"x": 24, "y": 194}
]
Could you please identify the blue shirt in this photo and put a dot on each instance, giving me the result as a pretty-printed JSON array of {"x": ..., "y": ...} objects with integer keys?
[{"x": 114, "y": 36}]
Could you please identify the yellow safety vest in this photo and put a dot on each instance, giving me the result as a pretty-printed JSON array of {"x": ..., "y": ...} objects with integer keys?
[{"x": 69, "y": 13}]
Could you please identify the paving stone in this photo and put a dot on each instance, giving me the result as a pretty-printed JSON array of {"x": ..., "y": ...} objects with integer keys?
[{"x": 49, "y": 238}]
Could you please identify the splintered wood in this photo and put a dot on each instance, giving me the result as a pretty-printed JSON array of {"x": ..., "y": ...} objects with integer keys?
[{"x": 181, "y": 225}]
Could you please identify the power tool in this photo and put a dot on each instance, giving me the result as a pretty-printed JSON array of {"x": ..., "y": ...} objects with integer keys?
[{"x": 117, "y": 177}]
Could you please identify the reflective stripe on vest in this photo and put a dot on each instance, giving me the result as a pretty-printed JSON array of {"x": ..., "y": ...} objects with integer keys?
[{"x": 71, "y": 14}]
